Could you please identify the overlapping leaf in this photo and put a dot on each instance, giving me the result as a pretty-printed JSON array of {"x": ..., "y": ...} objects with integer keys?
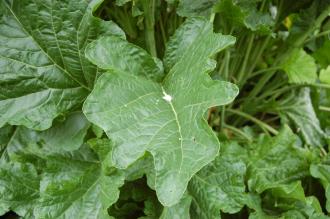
[
  {"x": 300, "y": 67},
  {"x": 141, "y": 115},
  {"x": 43, "y": 71}
]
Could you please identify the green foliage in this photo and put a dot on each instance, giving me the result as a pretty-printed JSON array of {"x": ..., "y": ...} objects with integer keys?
[{"x": 164, "y": 109}]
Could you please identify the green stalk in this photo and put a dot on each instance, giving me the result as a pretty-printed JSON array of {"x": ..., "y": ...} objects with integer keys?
[
  {"x": 324, "y": 108},
  {"x": 261, "y": 124},
  {"x": 149, "y": 11},
  {"x": 325, "y": 86},
  {"x": 253, "y": 74},
  {"x": 225, "y": 76},
  {"x": 245, "y": 61},
  {"x": 238, "y": 131},
  {"x": 163, "y": 33}
]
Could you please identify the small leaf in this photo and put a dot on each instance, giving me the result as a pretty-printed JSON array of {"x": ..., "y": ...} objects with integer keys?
[
  {"x": 300, "y": 67},
  {"x": 141, "y": 115}
]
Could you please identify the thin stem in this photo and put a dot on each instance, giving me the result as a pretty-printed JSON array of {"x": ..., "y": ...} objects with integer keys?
[
  {"x": 324, "y": 108},
  {"x": 238, "y": 131},
  {"x": 149, "y": 9},
  {"x": 261, "y": 124},
  {"x": 226, "y": 73},
  {"x": 162, "y": 30},
  {"x": 318, "y": 35},
  {"x": 263, "y": 71},
  {"x": 245, "y": 61},
  {"x": 326, "y": 86}
]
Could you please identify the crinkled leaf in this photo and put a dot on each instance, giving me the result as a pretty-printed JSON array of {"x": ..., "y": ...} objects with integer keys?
[
  {"x": 19, "y": 188},
  {"x": 300, "y": 67},
  {"x": 219, "y": 185},
  {"x": 43, "y": 69},
  {"x": 74, "y": 185},
  {"x": 298, "y": 108},
  {"x": 178, "y": 211},
  {"x": 276, "y": 161},
  {"x": 141, "y": 115}
]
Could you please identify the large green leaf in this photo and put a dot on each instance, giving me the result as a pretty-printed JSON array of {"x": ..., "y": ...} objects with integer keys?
[
  {"x": 43, "y": 71},
  {"x": 141, "y": 115},
  {"x": 219, "y": 185},
  {"x": 276, "y": 161},
  {"x": 300, "y": 67},
  {"x": 75, "y": 185}
]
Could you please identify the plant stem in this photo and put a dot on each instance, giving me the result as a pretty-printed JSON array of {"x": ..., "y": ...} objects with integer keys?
[
  {"x": 262, "y": 125},
  {"x": 149, "y": 11},
  {"x": 245, "y": 61},
  {"x": 318, "y": 35},
  {"x": 326, "y": 86},
  {"x": 263, "y": 71},
  {"x": 238, "y": 131},
  {"x": 324, "y": 108},
  {"x": 225, "y": 76},
  {"x": 161, "y": 24}
]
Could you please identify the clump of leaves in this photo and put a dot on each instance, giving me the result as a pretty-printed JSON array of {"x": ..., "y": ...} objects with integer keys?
[{"x": 164, "y": 109}]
